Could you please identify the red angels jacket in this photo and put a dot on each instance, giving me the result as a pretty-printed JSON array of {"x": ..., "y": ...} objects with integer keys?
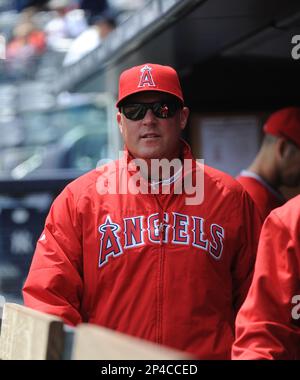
[
  {"x": 149, "y": 265},
  {"x": 268, "y": 323}
]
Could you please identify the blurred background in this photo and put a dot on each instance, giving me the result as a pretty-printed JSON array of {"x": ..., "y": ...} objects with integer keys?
[
  {"x": 59, "y": 66},
  {"x": 47, "y": 138}
]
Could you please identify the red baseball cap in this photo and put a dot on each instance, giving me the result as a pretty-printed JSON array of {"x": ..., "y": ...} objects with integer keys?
[
  {"x": 285, "y": 123},
  {"x": 149, "y": 77}
]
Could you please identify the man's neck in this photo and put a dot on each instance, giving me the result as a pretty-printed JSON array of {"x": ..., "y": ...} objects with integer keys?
[
  {"x": 266, "y": 170},
  {"x": 160, "y": 169}
]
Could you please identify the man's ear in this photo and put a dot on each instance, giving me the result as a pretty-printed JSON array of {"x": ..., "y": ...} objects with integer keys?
[
  {"x": 119, "y": 121},
  {"x": 281, "y": 148},
  {"x": 184, "y": 114}
]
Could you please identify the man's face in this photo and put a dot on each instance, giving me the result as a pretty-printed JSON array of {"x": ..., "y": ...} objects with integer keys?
[
  {"x": 153, "y": 137},
  {"x": 290, "y": 170}
]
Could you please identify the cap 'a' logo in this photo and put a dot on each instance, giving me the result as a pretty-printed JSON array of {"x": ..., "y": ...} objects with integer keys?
[{"x": 146, "y": 78}]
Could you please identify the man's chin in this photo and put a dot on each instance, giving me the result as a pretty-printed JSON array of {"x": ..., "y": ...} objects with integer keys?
[{"x": 150, "y": 154}]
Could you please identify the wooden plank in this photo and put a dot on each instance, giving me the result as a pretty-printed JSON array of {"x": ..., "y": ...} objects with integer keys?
[
  {"x": 30, "y": 334},
  {"x": 97, "y": 343}
]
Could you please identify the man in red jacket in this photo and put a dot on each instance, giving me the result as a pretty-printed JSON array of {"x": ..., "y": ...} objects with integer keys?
[
  {"x": 268, "y": 323},
  {"x": 277, "y": 163},
  {"x": 138, "y": 252}
]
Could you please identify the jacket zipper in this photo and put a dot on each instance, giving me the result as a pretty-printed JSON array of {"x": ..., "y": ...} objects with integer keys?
[{"x": 160, "y": 275}]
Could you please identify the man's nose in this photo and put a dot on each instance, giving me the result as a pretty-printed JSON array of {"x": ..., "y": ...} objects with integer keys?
[{"x": 149, "y": 117}]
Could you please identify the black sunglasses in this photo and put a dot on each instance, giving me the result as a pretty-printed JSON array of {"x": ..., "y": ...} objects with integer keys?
[{"x": 162, "y": 110}]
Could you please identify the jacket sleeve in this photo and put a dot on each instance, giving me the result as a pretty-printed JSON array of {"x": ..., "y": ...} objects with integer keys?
[
  {"x": 54, "y": 283},
  {"x": 264, "y": 325},
  {"x": 248, "y": 236}
]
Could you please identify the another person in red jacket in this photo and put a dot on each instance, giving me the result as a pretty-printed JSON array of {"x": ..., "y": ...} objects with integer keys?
[
  {"x": 268, "y": 323},
  {"x": 277, "y": 163},
  {"x": 149, "y": 254}
]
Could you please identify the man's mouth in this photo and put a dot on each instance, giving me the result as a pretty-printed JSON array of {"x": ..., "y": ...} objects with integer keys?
[{"x": 150, "y": 136}]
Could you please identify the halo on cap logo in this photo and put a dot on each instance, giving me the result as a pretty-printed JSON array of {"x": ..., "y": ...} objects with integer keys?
[{"x": 146, "y": 78}]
